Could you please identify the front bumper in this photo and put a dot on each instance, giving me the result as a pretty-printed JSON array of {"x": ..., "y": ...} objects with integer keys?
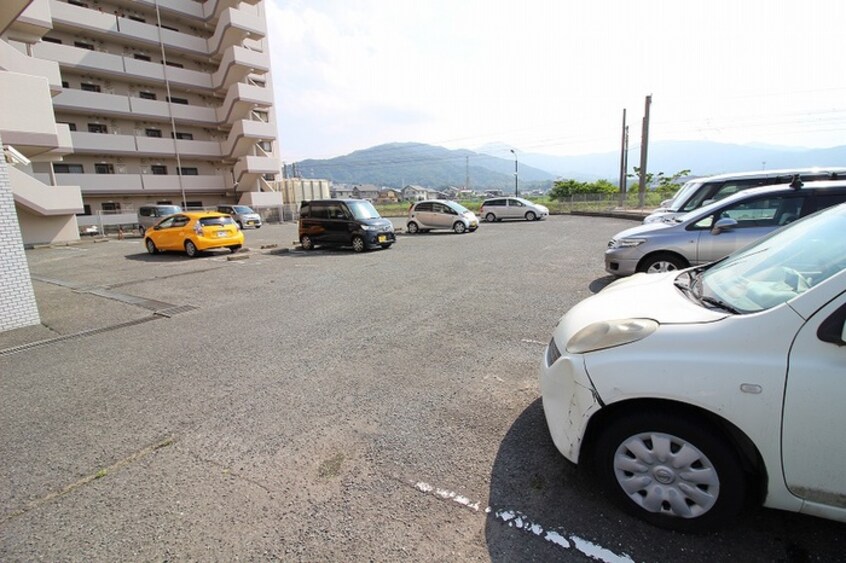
[
  {"x": 375, "y": 239},
  {"x": 620, "y": 262},
  {"x": 568, "y": 400}
]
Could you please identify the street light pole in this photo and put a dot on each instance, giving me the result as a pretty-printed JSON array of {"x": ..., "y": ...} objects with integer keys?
[{"x": 516, "y": 191}]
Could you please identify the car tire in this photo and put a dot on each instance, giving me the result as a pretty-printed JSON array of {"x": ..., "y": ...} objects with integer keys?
[
  {"x": 142, "y": 231},
  {"x": 490, "y": 217},
  {"x": 358, "y": 244},
  {"x": 191, "y": 249},
  {"x": 234, "y": 249},
  {"x": 530, "y": 216},
  {"x": 258, "y": 226},
  {"x": 240, "y": 225},
  {"x": 412, "y": 227},
  {"x": 151, "y": 246},
  {"x": 459, "y": 228},
  {"x": 675, "y": 472},
  {"x": 306, "y": 243},
  {"x": 661, "y": 262}
]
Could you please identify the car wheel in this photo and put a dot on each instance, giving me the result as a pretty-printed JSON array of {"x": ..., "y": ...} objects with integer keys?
[
  {"x": 459, "y": 227},
  {"x": 191, "y": 249},
  {"x": 258, "y": 226},
  {"x": 240, "y": 225},
  {"x": 412, "y": 227},
  {"x": 306, "y": 242},
  {"x": 661, "y": 262},
  {"x": 151, "y": 246},
  {"x": 530, "y": 216},
  {"x": 358, "y": 244},
  {"x": 490, "y": 217},
  {"x": 234, "y": 249},
  {"x": 141, "y": 231},
  {"x": 672, "y": 471}
]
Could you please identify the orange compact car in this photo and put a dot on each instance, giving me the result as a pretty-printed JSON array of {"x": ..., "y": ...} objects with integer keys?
[{"x": 193, "y": 232}]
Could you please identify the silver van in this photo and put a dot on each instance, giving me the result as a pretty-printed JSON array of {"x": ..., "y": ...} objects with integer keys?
[
  {"x": 702, "y": 191},
  {"x": 716, "y": 230},
  {"x": 243, "y": 215},
  {"x": 433, "y": 214},
  {"x": 149, "y": 215},
  {"x": 500, "y": 208}
]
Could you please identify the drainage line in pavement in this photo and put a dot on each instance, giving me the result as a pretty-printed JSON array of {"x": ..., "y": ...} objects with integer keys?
[{"x": 41, "y": 343}]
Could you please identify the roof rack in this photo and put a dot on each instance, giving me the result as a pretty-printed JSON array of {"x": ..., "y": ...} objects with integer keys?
[{"x": 796, "y": 183}]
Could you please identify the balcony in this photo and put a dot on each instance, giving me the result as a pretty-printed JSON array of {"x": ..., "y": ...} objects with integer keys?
[
  {"x": 256, "y": 165},
  {"x": 25, "y": 21},
  {"x": 241, "y": 99},
  {"x": 245, "y": 134},
  {"x": 233, "y": 27},
  {"x": 152, "y": 109},
  {"x": 237, "y": 64},
  {"x": 35, "y": 195},
  {"x": 81, "y": 59},
  {"x": 103, "y": 143},
  {"x": 14, "y": 61},
  {"x": 191, "y": 184},
  {"x": 91, "y": 102},
  {"x": 30, "y": 127},
  {"x": 140, "y": 184},
  {"x": 149, "y": 146}
]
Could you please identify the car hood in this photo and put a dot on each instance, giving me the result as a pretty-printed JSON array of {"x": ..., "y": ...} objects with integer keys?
[
  {"x": 642, "y": 230},
  {"x": 641, "y": 296},
  {"x": 378, "y": 222}
]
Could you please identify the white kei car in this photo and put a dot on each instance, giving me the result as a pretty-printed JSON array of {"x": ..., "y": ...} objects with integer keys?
[{"x": 691, "y": 391}]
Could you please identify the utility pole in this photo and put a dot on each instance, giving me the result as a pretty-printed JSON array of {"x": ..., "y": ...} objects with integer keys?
[
  {"x": 644, "y": 147},
  {"x": 623, "y": 164},
  {"x": 466, "y": 172}
]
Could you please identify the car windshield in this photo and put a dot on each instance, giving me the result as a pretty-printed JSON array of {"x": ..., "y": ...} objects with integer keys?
[
  {"x": 682, "y": 195},
  {"x": 363, "y": 210},
  {"x": 242, "y": 209},
  {"x": 457, "y": 207},
  {"x": 778, "y": 267}
]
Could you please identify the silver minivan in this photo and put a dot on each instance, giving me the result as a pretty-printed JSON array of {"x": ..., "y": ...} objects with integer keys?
[
  {"x": 716, "y": 230},
  {"x": 149, "y": 215},
  {"x": 702, "y": 191},
  {"x": 243, "y": 215},
  {"x": 499, "y": 208},
  {"x": 433, "y": 214}
]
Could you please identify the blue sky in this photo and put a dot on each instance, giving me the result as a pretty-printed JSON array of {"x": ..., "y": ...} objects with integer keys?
[{"x": 554, "y": 76}]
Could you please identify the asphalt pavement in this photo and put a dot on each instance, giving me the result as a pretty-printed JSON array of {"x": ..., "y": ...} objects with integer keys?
[{"x": 286, "y": 405}]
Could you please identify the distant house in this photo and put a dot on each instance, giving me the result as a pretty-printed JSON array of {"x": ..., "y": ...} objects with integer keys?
[
  {"x": 342, "y": 191},
  {"x": 418, "y": 193},
  {"x": 366, "y": 191},
  {"x": 494, "y": 193},
  {"x": 389, "y": 195}
]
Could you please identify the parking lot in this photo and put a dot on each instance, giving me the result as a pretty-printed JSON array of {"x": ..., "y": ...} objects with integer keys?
[{"x": 324, "y": 405}]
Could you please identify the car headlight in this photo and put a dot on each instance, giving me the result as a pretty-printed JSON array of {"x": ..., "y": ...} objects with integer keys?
[
  {"x": 626, "y": 242},
  {"x": 608, "y": 334},
  {"x": 368, "y": 228}
]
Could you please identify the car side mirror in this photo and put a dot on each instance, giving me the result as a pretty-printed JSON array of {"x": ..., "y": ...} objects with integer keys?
[
  {"x": 833, "y": 329},
  {"x": 722, "y": 225}
]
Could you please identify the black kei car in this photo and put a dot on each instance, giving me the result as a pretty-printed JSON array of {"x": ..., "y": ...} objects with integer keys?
[{"x": 344, "y": 222}]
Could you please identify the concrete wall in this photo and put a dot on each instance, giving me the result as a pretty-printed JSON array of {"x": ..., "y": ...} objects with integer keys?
[{"x": 17, "y": 297}]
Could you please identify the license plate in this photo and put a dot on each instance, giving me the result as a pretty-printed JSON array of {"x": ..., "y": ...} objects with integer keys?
[
  {"x": 383, "y": 238},
  {"x": 222, "y": 233},
  {"x": 251, "y": 223}
]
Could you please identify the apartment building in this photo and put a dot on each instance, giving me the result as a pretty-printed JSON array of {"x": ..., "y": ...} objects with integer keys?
[{"x": 166, "y": 101}]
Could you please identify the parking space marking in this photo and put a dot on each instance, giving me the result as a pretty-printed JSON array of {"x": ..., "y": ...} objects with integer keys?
[{"x": 518, "y": 520}]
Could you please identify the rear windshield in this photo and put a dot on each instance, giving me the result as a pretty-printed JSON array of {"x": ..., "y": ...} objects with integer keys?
[
  {"x": 242, "y": 209},
  {"x": 216, "y": 221}
]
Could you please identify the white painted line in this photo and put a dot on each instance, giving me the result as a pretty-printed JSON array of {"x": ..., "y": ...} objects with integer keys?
[
  {"x": 528, "y": 341},
  {"x": 518, "y": 520}
]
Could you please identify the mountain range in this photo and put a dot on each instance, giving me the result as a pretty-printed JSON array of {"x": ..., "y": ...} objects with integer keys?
[{"x": 401, "y": 164}]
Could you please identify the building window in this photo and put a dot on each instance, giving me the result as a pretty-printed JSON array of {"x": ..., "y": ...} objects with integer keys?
[
  {"x": 112, "y": 207},
  {"x": 266, "y": 146},
  {"x": 104, "y": 168},
  {"x": 194, "y": 204},
  {"x": 177, "y": 65},
  {"x": 88, "y": 87},
  {"x": 78, "y": 3},
  {"x": 86, "y": 209},
  {"x": 168, "y": 27},
  {"x": 51, "y": 40},
  {"x": 137, "y": 19},
  {"x": 153, "y": 132},
  {"x": 183, "y": 136},
  {"x": 97, "y": 128},
  {"x": 71, "y": 126},
  {"x": 173, "y": 100},
  {"x": 189, "y": 171},
  {"x": 83, "y": 45},
  {"x": 141, "y": 57},
  {"x": 65, "y": 84},
  {"x": 147, "y": 95},
  {"x": 159, "y": 170},
  {"x": 270, "y": 177},
  {"x": 64, "y": 168}
]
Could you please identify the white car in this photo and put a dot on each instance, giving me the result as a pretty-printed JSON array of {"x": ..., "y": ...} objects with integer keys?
[
  {"x": 688, "y": 392},
  {"x": 500, "y": 208}
]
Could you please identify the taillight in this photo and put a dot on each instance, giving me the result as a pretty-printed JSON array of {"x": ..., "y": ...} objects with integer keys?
[{"x": 198, "y": 228}]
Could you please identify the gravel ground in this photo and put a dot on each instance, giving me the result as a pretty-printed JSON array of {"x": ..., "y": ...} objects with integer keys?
[{"x": 318, "y": 406}]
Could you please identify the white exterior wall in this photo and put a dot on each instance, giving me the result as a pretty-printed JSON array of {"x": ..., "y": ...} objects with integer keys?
[{"x": 17, "y": 298}]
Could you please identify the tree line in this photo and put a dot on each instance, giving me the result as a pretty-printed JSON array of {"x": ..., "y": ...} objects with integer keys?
[{"x": 660, "y": 183}]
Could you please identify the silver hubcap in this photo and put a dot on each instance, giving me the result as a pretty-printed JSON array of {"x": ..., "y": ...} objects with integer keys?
[
  {"x": 661, "y": 266},
  {"x": 665, "y": 474},
  {"x": 358, "y": 244},
  {"x": 459, "y": 227}
]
